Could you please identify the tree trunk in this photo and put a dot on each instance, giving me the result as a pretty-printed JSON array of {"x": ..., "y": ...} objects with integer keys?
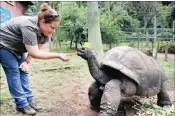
[
  {"x": 109, "y": 14},
  {"x": 147, "y": 37},
  {"x": 59, "y": 41},
  {"x": 173, "y": 29},
  {"x": 155, "y": 38},
  {"x": 157, "y": 49},
  {"x": 50, "y": 45},
  {"x": 146, "y": 31},
  {"x": 94, "y": 34},
  {"x": 166, "y": 51},
  {"x": 71, "y": 42}
]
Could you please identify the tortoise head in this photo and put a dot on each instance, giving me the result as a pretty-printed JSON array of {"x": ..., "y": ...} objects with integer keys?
[{"x": 85, "y": 52}]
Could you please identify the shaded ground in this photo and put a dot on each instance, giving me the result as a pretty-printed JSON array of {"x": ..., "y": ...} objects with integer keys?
[{"x": 60, "y": 88}]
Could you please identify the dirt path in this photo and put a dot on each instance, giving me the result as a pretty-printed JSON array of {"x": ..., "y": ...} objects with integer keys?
[{"x": 169, "y": 56}]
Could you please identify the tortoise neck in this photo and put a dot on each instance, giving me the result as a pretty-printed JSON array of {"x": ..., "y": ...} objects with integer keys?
[{"x": 95, "y": 70}]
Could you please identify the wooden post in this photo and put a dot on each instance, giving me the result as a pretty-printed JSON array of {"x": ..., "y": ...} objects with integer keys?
[
  {"x": 166, "y": 51},
  {"x": 138, "y": 43},
  {"x": 141, "y": 45},
  {"x": 157, "y": 49},
  {"x": 50, "y": 44},
  {"x": 173, "y": 29},
  {"x": 154, "y": 44}
]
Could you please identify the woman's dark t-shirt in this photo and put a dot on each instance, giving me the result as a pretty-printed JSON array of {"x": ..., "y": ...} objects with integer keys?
[{"x": 20, "y": 31}]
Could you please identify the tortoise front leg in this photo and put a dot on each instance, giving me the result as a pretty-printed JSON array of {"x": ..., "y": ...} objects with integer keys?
[
  {"x": 95, "y": 94},
  {"x": 111, "y": 98}
]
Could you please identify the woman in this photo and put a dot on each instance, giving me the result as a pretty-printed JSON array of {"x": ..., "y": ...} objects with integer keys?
[{"x": 26, "y": 34}]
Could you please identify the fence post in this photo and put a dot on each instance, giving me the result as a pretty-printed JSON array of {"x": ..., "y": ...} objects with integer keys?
[
  {"x": 138, "y": 43},
  {"x": 154, "y": 42},
  {"x": 141, "y": 45},
  {"x": 166, "y": 51},
  {"x": 157, "y": 49},
  {"x": 173, "y": 29},
  {"x": 50, "y": 44}
]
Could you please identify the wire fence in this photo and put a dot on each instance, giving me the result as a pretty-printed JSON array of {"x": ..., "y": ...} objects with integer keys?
[{"x": 162, "y": 38}]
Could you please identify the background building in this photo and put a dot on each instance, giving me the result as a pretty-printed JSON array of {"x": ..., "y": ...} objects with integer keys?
[{"x": 12, "y": 9}]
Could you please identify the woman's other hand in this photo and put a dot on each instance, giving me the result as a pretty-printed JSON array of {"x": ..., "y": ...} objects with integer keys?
[{"x": 24, "y": 67}]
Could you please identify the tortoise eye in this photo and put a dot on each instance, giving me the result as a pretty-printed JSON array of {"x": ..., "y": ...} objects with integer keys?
[{"x": 83, "y": 48}]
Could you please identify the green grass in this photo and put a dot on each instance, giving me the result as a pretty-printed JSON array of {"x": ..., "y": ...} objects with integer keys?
[
  {"x": 169, "y": 68},
  {"x": 4, "y": 96},
  {"x": 151, "y": 109},
  {"x": 2, "y": 74},
  {"x": 64, "y": 71},
  {"x": 4, "y": 93}
]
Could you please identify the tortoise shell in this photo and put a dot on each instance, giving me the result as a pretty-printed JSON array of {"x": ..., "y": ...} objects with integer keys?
[{"x": 133, "y": 63}]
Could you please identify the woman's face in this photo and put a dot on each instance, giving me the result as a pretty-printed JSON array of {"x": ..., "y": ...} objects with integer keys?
[{"x": 48, "y": 28}]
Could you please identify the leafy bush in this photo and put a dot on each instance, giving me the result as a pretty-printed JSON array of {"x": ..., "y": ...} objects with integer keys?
[
  {"x": 165, "y": 35},
  {"x": 171, "y": 47},
  {"x": 147, "y": 108},
  {"x": 132, "y": 44}
]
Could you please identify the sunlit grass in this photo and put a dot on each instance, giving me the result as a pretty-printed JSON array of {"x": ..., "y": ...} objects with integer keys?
[
  {"x": 169, "y": 67},
  {"x": 4, "y": 96}
]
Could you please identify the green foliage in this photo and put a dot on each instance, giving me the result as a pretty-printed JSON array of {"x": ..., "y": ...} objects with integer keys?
[
  {"x": 142, "y": 10},
  {"x": 34, "y": 9},
  {"x": 171, "y": 10},
  {"x": 108, "y": 29},
  {"x": 161, "y": 16},
  {"x": 171, "y": 13},
  {"x": 132, "y": 44},
  {"x": 148, "y": 108},
  {"x": 165, "y": 35},
  {"x": 74, "y": 21},
  {"x": 110, "y": 25},
  {"x": 114, "y": 17},
  {"x": 124, "y": 20},
  {"x": 171, "y": 47}
]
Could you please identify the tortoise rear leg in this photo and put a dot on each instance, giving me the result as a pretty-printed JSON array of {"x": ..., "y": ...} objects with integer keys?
[
  {"x": 163, "y": 97},
  {"x": 111, "y": 98}
]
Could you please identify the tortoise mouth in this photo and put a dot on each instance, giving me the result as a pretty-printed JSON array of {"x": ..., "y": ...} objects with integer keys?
[{"x": 80, "y": 51}]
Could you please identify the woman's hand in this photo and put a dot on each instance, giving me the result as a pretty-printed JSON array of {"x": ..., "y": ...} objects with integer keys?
[
  {"x": 24, "y": 67},
  {"x": 64, "y": 57}
]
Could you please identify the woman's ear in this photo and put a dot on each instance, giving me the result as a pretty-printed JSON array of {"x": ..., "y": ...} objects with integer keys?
[{"x": 42, "y": 21}]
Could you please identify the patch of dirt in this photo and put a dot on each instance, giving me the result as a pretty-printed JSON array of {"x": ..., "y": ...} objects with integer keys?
[{"x": 169, "y": 56}]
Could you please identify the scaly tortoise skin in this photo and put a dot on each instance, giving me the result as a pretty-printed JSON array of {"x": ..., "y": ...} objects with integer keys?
[{"x": 123, "y": 72}]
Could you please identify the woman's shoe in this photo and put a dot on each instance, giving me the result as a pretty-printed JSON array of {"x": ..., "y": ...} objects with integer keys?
[
  {"x": 36, "y": 107},
  {"x": 26, "y": 110}
]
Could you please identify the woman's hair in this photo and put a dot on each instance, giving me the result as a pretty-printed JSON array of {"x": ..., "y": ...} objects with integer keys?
[{"x": 48, "y": 14}]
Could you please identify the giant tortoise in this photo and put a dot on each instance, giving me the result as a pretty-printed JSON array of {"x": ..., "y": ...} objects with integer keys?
[{"x": 123, "y": 72}]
